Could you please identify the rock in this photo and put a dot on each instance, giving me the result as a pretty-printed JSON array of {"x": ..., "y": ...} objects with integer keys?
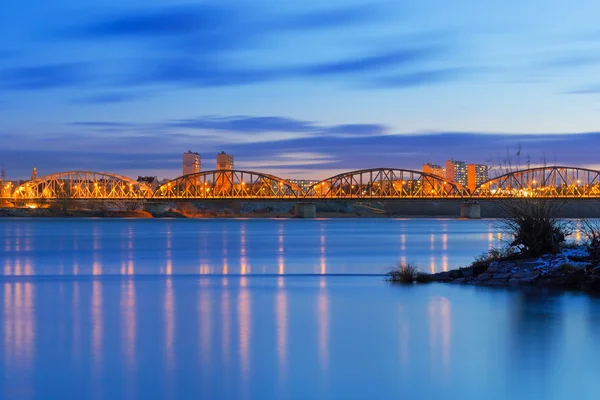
[
  {"x": 455, "y": 274},
  {"x": 460, "y": 280},
  {"x": 531, "y": 276},
  {"x": 467, "y": 272},
  {"x": 503, "y": 275},
  {"x": 496, "y": 282},
  {"x": 484, "y": 277},
  {"x": 530, "y": 264},
  {"x": 520, "y": 274},
  {"x": 479, "y": 269}
]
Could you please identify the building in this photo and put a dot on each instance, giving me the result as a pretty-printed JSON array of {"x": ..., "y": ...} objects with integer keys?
[
  {"x": 224, "y": 161},
  {"x": 191, "y": 163},
  {"x": 151, "y": 181},
  {"x": 429, "y": 186},
  {"x": 456, "y": 171},
  {"x": 476, "y": 175},
  {"x": 303, "y": 184},
  {"x": 433, "y": 169}
]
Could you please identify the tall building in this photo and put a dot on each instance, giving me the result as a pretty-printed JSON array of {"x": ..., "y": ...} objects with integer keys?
[
  {"x": 476, "y": 175},
  {"x": 433, "y": 169},
  {"x": 429, "y": 186},
  {"x": 191, "y": 163},
  {"x": 456, "y": 171},
  {"x": 224, "y": 161}
]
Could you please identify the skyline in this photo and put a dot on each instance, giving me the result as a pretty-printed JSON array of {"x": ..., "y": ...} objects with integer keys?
[{"x": 300, "y": 91}]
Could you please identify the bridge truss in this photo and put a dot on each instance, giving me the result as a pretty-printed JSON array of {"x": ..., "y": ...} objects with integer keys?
[
  {"x": 82, "y": 185},
  {"x": 543, "y": 182},
  {"x": 228, "y": 184},
  {"x": 386, "y": 183}
]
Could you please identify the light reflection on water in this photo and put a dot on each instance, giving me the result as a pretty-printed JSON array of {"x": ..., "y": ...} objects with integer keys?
[
  {"x": 122, "y": 309},
  {"x": 239, "y": 247},
  {"x": 291, "y": 337}
]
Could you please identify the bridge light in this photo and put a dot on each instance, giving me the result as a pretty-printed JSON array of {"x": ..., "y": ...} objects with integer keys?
[{"x": 578, "y": 181}]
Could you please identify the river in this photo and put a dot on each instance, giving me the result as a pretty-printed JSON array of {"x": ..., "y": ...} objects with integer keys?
[{"x": 276, "y": 309}]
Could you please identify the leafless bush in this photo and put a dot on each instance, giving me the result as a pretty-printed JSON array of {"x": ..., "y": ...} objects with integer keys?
[
  {"x": 407, "y": 273},
  {"x": 533, "y": 225},
  {"x": 591, "y": 231}
]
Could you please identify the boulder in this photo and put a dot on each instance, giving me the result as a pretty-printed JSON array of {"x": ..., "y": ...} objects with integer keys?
[
  {"x": 484, "y": 277},
  {"x": 455, "y": 274},
  {"x": 502, "y": 275}
]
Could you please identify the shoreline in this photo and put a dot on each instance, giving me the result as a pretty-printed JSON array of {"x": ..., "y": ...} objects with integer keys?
[
  {"x": 25, "y": 213},
  {"x": 569, "y": 270}
]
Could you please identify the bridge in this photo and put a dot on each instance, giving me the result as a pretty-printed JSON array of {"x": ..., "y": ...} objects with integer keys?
[{"x": 552, "y": 182}]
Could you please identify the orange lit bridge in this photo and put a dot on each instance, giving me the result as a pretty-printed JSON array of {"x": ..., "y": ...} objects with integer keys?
[{"x": 552, "y": 182}]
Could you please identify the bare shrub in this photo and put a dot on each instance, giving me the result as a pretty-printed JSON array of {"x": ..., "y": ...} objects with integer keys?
[
  {"x": 407, "y": 273},
  {"x": 591, "y": 231},
  {"x": 533, "y": 225}
]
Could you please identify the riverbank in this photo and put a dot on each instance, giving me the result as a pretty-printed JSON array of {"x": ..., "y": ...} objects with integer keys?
[
  {"x": 52, "y": 213},
  {"x": 570, "y": 269}
]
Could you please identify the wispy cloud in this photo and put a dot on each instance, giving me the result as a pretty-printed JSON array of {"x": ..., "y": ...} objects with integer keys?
[{"x": 44, "y": 76}]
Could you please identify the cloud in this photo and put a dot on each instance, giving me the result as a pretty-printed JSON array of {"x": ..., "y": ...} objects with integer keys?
[
  {"x": 246, "y": 124},
  {"x": 107, "y": 98},
  {"x": 308, "y": 155},
  {"x": 102, "y": 124},
  {"x": 419, "y": 78},
  {"x": 372, "y": 62},
  {"x": 262, "y": 124},
  {"x": 43, "y": 77},
  {"x": 334, "y": 18},
  {"x": 190, "y": 72},
  {"x": 211, "y": 29},
  {"x": 591, "y": 89},
  {"x": 574, "y": 61},
  {"x": 160, "y": 22},
  {"x": 357, "y": 129}
]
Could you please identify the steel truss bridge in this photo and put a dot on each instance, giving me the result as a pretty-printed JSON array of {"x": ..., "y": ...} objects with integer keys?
[{"x": 368, "y": 184}]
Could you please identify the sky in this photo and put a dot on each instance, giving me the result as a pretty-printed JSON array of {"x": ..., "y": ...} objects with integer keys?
[{"x": 296, "y": 89}]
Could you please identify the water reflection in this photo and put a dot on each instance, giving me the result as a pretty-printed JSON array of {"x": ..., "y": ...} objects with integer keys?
[
  {"x": 233, "y": 247},
  {"x": 281, "y": 308},
  {"x": 244, "y": 329},
  {"x": 323, "y": 258},
  {"x": 128, "y": 321},
  {"x": 245, "y": 268},
  {"x": 281, "y": 250},
  {"x": 205, "y": 321},
  {"x": 97, "y": 326},
  {"x": 169, "y": 319},
  {"x": 19, "y": 324},
  {"x": 287, "y": 337},
  {"x": 440, "y": 334},
  {"x": 323, "y": 326}
]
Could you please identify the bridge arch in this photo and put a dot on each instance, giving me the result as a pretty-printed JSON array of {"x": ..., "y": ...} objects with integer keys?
[
  {"x": 228, "y": 184},
  {"x": 386, "y": 183},
  {"x": 82, "y": 185},
  {"x": 543, "y": 182}
]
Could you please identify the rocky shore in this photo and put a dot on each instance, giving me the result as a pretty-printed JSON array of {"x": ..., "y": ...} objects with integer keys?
[{"x": 571, "y": 269}]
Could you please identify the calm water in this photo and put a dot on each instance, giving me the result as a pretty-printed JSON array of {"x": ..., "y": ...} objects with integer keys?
[{"x": 254, "y": 309}]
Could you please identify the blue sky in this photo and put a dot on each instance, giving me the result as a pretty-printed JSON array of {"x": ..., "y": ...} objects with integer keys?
[{"x": 297, "y": 89}]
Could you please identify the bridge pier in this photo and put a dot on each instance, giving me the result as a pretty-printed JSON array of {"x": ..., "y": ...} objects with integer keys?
[
  {"x": 470, "y": 210},
  {"x": 305, "y": 210}
]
